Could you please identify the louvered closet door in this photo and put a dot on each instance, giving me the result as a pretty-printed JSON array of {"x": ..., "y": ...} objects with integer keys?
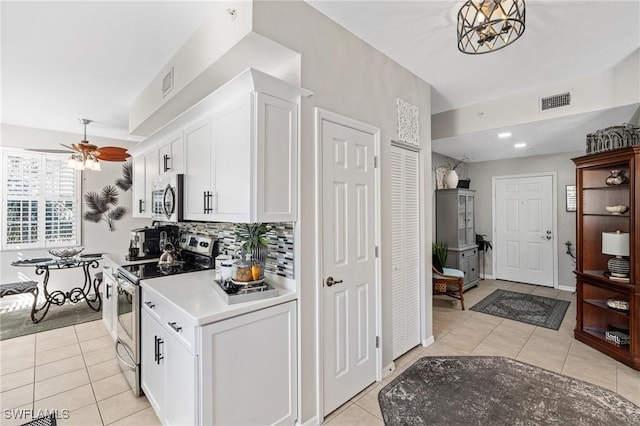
[{"x": 405, "y": 275}]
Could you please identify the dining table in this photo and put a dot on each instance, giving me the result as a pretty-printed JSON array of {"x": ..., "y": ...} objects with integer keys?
[{"x": 87, "y": 290}]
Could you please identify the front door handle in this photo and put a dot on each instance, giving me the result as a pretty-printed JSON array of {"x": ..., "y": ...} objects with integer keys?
[{"x": 330, "y": 281}]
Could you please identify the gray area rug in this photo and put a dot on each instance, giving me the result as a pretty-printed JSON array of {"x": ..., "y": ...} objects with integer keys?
[
  {"x": 18, "y": 323},
  {"x": 480, "y": 390},
  {"x": 537, "y": 310}
]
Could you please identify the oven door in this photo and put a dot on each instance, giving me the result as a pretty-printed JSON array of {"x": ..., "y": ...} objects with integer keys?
[{"x": 127, "y": 344}]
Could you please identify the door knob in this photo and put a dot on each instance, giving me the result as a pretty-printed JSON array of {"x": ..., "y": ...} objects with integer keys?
[{"x": 330, "y": 281}]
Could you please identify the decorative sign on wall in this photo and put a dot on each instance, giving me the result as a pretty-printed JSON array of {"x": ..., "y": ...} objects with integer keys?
[{"x": 408, "y": 130}]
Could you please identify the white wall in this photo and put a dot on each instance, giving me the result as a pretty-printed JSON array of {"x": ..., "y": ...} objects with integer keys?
[
  {"x": 95, "y": 236},
  {"x": 481, "y": 175},
  {"x": 351, "y": 78}
]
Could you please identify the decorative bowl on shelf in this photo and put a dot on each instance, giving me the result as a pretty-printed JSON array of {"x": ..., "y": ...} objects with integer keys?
[
  {"x": 66, "y": 252},
  {"x": 620, "y": 209}
]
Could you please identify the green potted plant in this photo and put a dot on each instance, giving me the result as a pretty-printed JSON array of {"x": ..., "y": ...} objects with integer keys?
[
  {"x": 483, "y": 243},
  {"x": 253, "y": 240},
  {"x": 440, "y": 249}
]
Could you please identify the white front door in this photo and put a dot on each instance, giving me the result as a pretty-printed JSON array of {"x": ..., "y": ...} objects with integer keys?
[
  {"x": 349, "y": 266},
  {"x": 525, "y": 230}
]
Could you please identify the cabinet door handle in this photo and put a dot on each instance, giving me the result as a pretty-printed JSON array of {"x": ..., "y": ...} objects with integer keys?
[
  {"x": 140, "y": 209},
  {"x": 106, "y": 291},
  {"x": 175, "y": 327},
  {"x": 155, "y": 348},
  {"x": 150, "y": 304},
  {"x": 207, "y": 202},
  {"x": 166, "y": 158},
  {"x": 160, "y": 356},
  {"x": 204, "y": 201}
]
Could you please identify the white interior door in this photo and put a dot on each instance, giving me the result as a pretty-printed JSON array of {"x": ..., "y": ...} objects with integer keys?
[
  {"x": 348, "y": 240},
  {"x": 405, "y": 232},
  {"x": 524, "y": 229}
]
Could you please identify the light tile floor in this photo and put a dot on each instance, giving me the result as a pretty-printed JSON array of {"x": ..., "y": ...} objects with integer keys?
[
  {"x": 459, "y": 332},
  {"x": 74, "y": 368},
  {"x": 71, "y": 370}
]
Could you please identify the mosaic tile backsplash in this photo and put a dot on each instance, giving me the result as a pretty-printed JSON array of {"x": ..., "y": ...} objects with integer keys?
[{"x": 280, "y": 237}]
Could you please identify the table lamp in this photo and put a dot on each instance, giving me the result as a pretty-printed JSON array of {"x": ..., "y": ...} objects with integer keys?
[{"x": 616, "y": 244}]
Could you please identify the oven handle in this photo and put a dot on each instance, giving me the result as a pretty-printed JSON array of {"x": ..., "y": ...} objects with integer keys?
[
  {"x": 119, "y": 343},
  {"x": 125, "y": 285}
]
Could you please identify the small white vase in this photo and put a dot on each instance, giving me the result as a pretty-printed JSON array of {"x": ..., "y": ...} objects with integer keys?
[{"x": 451, "y": 179}]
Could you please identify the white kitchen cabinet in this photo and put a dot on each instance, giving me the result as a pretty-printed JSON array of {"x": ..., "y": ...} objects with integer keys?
[
  {"x": 171, "y": 155},
  {"x": 198, "y": 184},
  {"x": 145, "y": 170},
  {"x": 168, "y": 368},
  {"x": 251, "y": 175},
  {"x": 251, "y": 357},
  {"x": 109, "y": 300}
]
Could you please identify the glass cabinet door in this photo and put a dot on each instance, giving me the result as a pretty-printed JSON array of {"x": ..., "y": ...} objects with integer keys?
[
  {"x": 462, "y": 214},
  {"x": 471, "y": 236}
]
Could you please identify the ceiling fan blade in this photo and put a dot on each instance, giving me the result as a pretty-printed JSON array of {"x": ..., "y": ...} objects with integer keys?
[
  {"x": 112, "y": 158},
  {"x": 49, "y": 151},
  {"x": 68, "y": 147}
]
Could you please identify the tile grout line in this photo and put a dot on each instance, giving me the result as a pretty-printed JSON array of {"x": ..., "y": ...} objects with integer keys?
[{"x": 84, "y": 361}]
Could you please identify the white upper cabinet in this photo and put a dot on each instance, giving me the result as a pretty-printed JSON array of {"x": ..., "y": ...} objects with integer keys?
[
  {"x": 171, "y": 155},
  {"x": 238, "y": 150},
  {"x": 145, "y": 170}
]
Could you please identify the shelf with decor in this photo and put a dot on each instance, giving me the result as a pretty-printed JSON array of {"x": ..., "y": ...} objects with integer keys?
[{"x": 607, "y": 266}]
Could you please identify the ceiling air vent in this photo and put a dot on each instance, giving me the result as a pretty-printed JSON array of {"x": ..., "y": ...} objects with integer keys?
[
  {"x": 555, "y": 101},
  {"x": 167, "y": 82}
]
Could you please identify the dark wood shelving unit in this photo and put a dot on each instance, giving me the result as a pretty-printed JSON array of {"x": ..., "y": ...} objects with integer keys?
[{"x": 594, "y": 317}]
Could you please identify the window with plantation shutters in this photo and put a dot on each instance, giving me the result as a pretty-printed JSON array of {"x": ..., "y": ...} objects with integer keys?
[{"x": 40, "y": 201}]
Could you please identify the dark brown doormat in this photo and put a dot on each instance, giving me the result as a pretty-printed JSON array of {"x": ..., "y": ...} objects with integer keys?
[
  {"x": 18, "y": 323},
  {"x": 531, "y": 309},
  {"x": 460, "y": 390}
]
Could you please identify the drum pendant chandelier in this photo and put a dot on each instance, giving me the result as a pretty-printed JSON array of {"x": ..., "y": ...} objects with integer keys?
[{"x": 488, "y": 25}]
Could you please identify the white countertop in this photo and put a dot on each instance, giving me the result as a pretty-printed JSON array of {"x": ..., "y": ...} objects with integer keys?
[
  {"x": 193, "y": 293},
  {"x": 119, "y": 259}
]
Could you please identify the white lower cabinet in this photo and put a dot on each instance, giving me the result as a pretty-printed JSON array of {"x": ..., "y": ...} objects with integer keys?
[
  {"x": 251, "y": 357},
  {"x": 168, "y": 373},
  {"x": 109, "y": 315}
]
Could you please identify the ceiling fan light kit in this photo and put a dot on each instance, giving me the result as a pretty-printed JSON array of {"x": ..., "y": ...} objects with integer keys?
[
  {"x": 488, "y": 25},
  {"x": 86, "y": 155}
]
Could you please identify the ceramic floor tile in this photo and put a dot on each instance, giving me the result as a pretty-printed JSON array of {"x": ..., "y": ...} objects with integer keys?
[
  {"x": 355, "y": 416},
  {"x": 60, "y": 384},
  {"x": 92, "y": 333},
  {"x": 56, "y": 342},
  {"x": 57, "y": 354},
  {"x": 98, "y": 343},
  {"x": 110, "y": 386},
  {"x": 88, "y": 325},
  {"x": 628, "y": 381},
  {"x": 17, "y": 416},
  {"x": 67, "y": 401},
  {"x": 544, "y": 354},
  {"x": 121, "y": 406},
  {"x": 55, "y": 333},
  {"x": 101, "y": 355},
  {"x": 335, "y": 413},
  {"x": 16, "y": 397},
  {"x": 370, "y": 403},
  {"x": 85, "y": 416},
  {"x": 16, "y": 380},
  {"x": 17, "y": 347},
  {"x": 146, "y": 417},
  {"x": 57, "y": 368},
  {"x": 103, "y": 370},
  {"x": 16, "y": 364}
]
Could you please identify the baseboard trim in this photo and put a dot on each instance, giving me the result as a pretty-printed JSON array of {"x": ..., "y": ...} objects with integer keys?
[
  {"x": 313, "y": 421},
  {"x": 388, "y": 369},
  {"x": 428, "y": 341},
  {"x": 488, "y": 277},
  {"x": 567, "y": 288}
]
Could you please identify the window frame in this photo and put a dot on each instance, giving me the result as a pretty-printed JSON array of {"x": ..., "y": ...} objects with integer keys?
[{"x": 41, "y": 243}]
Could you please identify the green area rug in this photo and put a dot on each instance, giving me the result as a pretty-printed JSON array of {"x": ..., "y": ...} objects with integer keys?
[
  {"x": 18, "y": 323},
  {"x": 458, "y": 390},
  {"x": 531, "y": 309}
]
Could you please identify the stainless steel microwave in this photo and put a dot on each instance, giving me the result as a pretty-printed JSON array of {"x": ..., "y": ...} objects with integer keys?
[{"x": 167, "y": 198}]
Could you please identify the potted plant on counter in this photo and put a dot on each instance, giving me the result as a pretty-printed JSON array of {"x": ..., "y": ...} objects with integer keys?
[{"x": 253, "y": 240}]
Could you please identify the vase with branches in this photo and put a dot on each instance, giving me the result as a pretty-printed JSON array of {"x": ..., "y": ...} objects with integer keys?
[{"x": 100, "y": 207}]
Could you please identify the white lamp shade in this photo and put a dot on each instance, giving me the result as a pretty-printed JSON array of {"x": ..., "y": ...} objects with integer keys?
[{"x": 615, "y": 243}]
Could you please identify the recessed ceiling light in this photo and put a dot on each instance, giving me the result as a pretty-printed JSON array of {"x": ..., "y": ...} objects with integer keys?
[
  {"x": 504, "y": 135},
  {"x": 519, "y": 145}
]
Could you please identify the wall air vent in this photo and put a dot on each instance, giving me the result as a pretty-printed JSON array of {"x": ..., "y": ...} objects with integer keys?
[
  {"x": 167, "y": 82},
  {"x": 555, "y": 101}
]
